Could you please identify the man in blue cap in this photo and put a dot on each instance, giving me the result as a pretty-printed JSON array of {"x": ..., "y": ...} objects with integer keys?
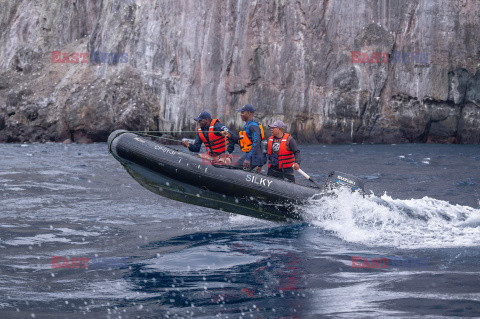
[
  {"x": 209, "y": 132},
  {"x": 250, "y": 140}
]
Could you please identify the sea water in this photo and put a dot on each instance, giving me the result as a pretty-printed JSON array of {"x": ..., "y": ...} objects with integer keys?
[{"x": 79, "y": 238}]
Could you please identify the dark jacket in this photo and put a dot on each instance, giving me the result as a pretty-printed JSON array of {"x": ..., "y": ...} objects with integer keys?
[{"x": 255, "y": 156}]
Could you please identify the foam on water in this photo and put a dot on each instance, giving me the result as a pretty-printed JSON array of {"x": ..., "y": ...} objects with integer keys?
[
  {"x": 72, "y": 232},
  {"x": 35, "y": 240},
  {"x": 384, "y": 221},
  {"x": 8, "y": 173},
  {"x": 196, "y": 259},
  {"x": 247, "y": 221}
]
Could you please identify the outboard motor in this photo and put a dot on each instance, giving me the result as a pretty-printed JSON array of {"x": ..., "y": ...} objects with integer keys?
[{"x": 339, "y": 179}]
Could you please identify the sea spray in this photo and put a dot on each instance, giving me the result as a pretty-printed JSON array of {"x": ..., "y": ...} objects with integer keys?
[{"x": 384, "y": 221}]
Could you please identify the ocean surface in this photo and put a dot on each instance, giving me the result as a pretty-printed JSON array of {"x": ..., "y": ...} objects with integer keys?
[{"x": 79, "y": 238}]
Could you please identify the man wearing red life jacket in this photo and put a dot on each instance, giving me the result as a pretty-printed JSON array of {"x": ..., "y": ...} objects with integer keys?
[
  {"x": 209, "y": 133},
  {"x": 283, "y": 153}
]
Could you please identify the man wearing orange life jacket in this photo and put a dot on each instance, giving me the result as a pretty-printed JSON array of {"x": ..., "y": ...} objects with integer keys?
[
  {"x": 209, "y": 133},
  {"x": 250, "y": 141},
  {"x": 283, "y": 153}
]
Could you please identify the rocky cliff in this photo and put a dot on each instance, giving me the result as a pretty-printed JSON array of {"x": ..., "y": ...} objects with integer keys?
[{"x": 293, "y": 60}]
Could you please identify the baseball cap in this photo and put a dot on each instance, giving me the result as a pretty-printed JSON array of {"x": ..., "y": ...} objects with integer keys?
[
  {"x": 248, "y": 108},
  {"x": 203, "y": 115},
  {"x": 278, "y": 124}
]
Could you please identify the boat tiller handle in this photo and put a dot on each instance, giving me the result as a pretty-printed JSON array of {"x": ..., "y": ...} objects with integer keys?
[{"x": 308, "y": 177}]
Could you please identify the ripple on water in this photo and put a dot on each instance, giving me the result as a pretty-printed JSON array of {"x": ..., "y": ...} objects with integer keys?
[{"x": 35, "y": 240}]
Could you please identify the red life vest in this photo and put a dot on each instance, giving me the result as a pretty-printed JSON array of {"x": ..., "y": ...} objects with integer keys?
[
  {"x": 285, "y": 157},
  {"x": 216, "y": 144}
]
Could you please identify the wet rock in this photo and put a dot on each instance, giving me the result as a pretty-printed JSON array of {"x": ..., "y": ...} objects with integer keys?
[
  {"x": 469, "y": 124},
  {"x": 26, "y": 60},
  {"x": 44, "y": 102},
  {"x": 11, "y": 110},
  {"x": 291, "y": 59},
  {"x": 12, "y": 98},
  {"x": 81, "y": 137},
  {"x": 472, "y": 94},
  {"x": 3, "y": 83},
  {"x": 29, "y": 111}
]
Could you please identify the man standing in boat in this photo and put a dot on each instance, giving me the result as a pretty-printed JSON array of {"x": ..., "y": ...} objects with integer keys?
[
  {"x": 283, "y": 153},
  {"x": 209, "y": 132},
  {"x": 250, "y": 140}
]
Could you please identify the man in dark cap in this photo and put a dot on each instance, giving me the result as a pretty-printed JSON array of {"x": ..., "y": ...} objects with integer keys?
[
  {"x": 250, "y": 140},
  {"x": 283, "y": 153},
  {"x": 209, "y": 132}
]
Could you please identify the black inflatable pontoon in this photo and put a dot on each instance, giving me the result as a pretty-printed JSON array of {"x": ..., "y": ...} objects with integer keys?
[{"x": 184, "y": 177}]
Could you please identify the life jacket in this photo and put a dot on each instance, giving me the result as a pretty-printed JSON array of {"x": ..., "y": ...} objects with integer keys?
[
  {"x": 283, "y": 158},
  {"x": 215, "y": 144},
  {"x": 245, "y": 142}
]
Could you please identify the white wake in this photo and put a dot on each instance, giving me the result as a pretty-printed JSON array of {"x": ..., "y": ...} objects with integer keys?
[{"x": 384, "y": 221}]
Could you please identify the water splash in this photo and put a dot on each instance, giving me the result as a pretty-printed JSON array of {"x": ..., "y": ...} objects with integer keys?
[{"x": 384, "y": 221}]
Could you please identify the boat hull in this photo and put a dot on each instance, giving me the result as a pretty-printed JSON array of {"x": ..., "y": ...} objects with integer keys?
[{"x": 186, "y": 178}]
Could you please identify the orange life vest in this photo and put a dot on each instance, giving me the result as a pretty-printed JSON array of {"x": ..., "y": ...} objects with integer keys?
[
  {"x": 216, "y": 144},
  {"x": 245, "y": 142},
  {"x": 284, "y": 157}
]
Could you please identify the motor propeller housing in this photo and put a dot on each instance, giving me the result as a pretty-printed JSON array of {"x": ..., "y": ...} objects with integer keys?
[{"x": 338, "y": 179}]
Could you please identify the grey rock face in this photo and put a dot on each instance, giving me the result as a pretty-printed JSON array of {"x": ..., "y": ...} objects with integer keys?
[{"x": 292, "y": 60}]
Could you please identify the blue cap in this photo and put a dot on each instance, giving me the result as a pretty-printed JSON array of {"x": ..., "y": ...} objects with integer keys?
[
  {"x": 203, "y": 115},
  {"x": 248, "y": 108}
]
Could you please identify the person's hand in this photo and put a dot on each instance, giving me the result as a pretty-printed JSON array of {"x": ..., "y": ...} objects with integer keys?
[
  {"x": 246, "y": 164},
  {"x": 228, "y": 159},
  {"x": 259, "y": 169},
  {"x": 185, "y": 143},
  {"x": 296, "y": 166},
  {"x": 226, "y": 134}
]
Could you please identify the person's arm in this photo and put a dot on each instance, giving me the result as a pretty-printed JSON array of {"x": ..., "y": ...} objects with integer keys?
[
  {"x": 219, "y": 127},
  {"x": 235, "y": 138},
  {"x": 196, "y": 146},
  {"x": 231, "y": 145},
  {"x": 293, "y": 147},
  {"x": 256, "y": 139}
]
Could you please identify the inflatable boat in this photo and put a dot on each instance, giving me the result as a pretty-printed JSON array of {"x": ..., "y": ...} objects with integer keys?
[{"x": 187, "y": 178}]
